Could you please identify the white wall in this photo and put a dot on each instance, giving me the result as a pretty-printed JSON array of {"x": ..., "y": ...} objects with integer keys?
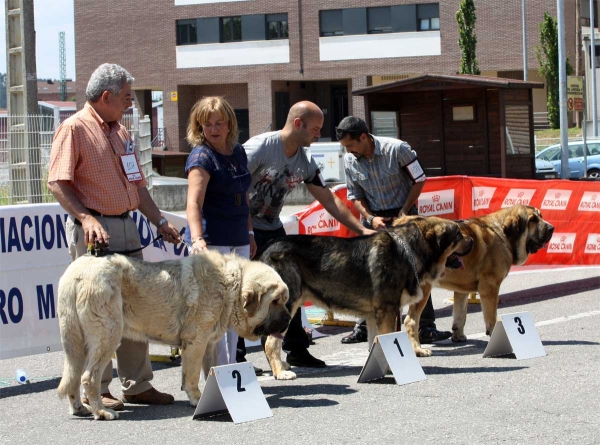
[
  {"x": 258, "y": 52},
  {"x": 380, "y": 46}
]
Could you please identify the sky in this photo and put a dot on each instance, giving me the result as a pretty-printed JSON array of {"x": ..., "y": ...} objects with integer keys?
[{"x": 51, "y": 17}]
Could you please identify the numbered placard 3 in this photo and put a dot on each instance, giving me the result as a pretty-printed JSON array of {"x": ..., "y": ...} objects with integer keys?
[
  {"x": 233, "y": 389},
  {"x": 515, "y": 333},
  {"x": 392, "y": 351}
]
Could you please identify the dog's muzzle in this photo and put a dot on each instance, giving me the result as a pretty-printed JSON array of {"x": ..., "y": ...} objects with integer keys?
[
  {"x": 533, "y": 246},
  {"x": 274, "y": 327},
  {"x": 454, "y": 261}
]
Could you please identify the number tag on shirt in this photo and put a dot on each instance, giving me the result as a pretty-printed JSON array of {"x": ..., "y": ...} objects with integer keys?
[
  {"x": 233, "y": 389},
  {"x": 515, "y": 333},
  {"x": 131, "y": 167},
  {"x": 415, "y": 171},
  {"x": 393, "y": 351}
]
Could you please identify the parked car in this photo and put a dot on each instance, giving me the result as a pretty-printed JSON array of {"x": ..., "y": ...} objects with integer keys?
[
  {"x": 553, "y": 155},
  {"x": 545, "y": 170}
]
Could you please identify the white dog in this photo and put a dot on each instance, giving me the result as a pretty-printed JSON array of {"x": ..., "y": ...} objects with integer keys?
[{"x": 187, "y": 303}]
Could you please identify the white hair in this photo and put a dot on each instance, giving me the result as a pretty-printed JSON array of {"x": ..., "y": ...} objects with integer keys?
[{"x": 107, "y": 77}]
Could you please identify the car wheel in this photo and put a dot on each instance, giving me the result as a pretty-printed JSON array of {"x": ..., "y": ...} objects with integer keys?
[{"x": 594, "y": 173}]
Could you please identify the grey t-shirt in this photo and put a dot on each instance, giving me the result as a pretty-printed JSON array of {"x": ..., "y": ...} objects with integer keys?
[{"x": 273, "y": 176}]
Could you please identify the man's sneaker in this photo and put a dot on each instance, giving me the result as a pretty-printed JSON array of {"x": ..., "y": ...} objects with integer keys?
[
  {"x": 358, "y": 336},
  {"x": 150, "y": 397},
  {"x": 108, "y": 401},
  {"x": 302, "y": 357},
  {"x": 431, "y": 335}
]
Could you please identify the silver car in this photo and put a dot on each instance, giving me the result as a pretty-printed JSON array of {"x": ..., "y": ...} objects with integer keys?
[{"x": 576, "y": 164}]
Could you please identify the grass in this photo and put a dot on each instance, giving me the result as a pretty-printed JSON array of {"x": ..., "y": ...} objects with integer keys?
[{"x": 550, "y": 134}]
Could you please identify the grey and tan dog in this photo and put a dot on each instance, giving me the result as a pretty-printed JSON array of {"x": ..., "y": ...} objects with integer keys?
[
  {"x": 188, "y": 303},
  {"x": 370, "y": 276}
]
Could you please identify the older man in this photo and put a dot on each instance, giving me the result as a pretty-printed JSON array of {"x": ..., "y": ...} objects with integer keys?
[
  {"x": 96, "y": 177},
  {"x": 279, "y": 161}
]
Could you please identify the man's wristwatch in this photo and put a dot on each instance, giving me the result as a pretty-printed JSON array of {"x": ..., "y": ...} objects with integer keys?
[
  {"x": 161, "y": 222},
  {"x": 370, "y": 220}
]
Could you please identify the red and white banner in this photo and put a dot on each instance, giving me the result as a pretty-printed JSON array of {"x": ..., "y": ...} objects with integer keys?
[{"x": 572, "y": 207}]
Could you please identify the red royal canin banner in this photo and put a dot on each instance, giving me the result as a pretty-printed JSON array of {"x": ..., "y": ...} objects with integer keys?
[{"x": 572, "y": 207}]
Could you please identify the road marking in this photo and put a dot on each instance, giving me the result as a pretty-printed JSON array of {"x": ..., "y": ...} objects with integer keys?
[
  {"x": 548, "y": 322},
  {"x": 346, "y": 358}
]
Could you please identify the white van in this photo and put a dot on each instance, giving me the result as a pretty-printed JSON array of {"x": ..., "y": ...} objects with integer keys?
[{"x": 329, "y": 156}]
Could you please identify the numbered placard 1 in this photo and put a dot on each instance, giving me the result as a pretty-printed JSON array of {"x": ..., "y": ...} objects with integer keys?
[
  {"x": 515, "y": 333},
  {"x": 233, "y": 389},
  {"x": 392, "y": 351}
]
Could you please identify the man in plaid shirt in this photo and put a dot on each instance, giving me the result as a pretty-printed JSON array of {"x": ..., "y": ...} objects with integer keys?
[
  {"x": 384, "y": 180},
  {"x": 95, "y": 175}
]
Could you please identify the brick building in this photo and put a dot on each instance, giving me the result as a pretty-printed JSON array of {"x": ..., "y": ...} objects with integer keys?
[
  {"x": 49, "y": 90},
  {"x": 264, "y": 55}
]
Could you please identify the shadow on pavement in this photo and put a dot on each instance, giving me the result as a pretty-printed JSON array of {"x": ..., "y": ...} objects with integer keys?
[
  {"x": 541, "y": 293},
  {"x": 284, "y": 396}
]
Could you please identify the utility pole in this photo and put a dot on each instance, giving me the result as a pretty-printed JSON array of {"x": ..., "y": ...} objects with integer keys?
[
  {"x": 562, "y": 91},
  {"x": 22, "y": 102},
  {"x": 62, "y": 63},
  {"x": 523, "y": 6},
  {"x": 593, "y": 60}
]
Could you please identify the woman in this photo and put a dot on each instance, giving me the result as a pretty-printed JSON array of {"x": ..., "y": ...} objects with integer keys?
[{"x": 217, "y": 204}]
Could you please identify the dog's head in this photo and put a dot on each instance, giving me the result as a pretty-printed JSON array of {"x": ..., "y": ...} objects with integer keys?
[
  {"x": 264, "y": 295},
  {"x": 526, "y": 230},
  {"x": 452, "y": 243},
  {"x": 442, "y": 243}
]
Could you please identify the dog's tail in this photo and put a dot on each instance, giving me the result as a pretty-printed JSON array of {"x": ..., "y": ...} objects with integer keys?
[{"x": 71, "y": 335}]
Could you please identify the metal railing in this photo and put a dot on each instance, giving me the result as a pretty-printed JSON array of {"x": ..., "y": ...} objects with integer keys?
[{"x": 25, "y": 144}]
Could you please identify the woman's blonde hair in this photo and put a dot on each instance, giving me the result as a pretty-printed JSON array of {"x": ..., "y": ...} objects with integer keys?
[{"x": 200, "y": 114}]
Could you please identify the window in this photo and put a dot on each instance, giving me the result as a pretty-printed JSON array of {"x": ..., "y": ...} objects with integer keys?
[
  {"x": 187, "y": 32},
  {"x": 379, "y": 20},
  {"x": 231, "y": 29},
  {"x": 277, "y": 26},
  {"x": 331, "y": 23},
  {"x": 385, "y": 123},
  {"x": 463, "y": 113},
  {"x": 428, "y": 17},
  {"x": 517, "y": 129}
]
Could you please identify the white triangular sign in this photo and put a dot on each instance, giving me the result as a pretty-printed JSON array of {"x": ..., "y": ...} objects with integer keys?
[
  {"x": 233, "y": 389},
  {"x": 515, "y": 333},
  {"x": 392, "y": 351}
]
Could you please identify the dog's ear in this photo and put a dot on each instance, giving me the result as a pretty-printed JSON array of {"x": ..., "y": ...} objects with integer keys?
[
  {"x": 443, "y": 235},
  {"x": 250, "y": 300},
  {"x": 514, "y": 226}
]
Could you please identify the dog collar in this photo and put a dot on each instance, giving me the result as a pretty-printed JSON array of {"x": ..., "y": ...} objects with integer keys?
[{"x": 410, "y": 256}]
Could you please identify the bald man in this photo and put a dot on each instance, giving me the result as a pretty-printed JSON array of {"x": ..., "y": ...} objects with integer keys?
[{"x": 278, "y": 162}]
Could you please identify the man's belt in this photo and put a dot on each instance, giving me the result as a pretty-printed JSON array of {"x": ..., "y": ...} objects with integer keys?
[
  {"x": 394, "y": 212},
  {"x": 93, "y": 212}
]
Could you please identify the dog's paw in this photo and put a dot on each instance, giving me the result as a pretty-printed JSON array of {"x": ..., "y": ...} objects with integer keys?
[
  {"x": 80, "y": 411},
  {"x": 194, "y": 397},
  {"x": 286, "y": 366},
  {"x": 285, "y": 375},
  {"x": 106, "y": 414},
  {"x": 459, "y": 338},
  {"x": 422, "y": 352}
]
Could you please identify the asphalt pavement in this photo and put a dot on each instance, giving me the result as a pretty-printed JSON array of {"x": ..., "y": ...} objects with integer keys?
[{"x": 465, "y": 399}]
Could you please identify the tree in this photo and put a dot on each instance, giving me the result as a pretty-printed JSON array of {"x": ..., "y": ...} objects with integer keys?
[
  {"x": 2, "y": 90},
  {"x": 547, "y": 56},
  {"x": 467, "y": 41}
]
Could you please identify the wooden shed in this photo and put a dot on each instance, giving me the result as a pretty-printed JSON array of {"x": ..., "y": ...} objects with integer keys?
[{"x": 459, "y": 124}]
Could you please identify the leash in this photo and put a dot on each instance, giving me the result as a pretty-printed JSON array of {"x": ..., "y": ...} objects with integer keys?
[
  {"x": 101, "y": 249},
  {"x": 410, "y": 255}
]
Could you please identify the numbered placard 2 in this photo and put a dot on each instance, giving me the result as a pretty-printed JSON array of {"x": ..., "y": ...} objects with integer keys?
[
  {"x": 233, "y": 389},
  {"x": 515, "y": 333},
  {"x": 392, "y": 351}
]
